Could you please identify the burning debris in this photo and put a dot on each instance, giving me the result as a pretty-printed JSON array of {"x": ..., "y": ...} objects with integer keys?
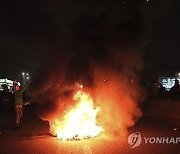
[
  {"x": 79, "y": 122},
  {"x": 106, "y": 105}
]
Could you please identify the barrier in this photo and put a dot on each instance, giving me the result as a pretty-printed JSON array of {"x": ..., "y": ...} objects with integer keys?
[{"x": 164, "y": 109}]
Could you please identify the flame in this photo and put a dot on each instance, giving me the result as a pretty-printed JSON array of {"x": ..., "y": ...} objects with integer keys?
[{"x": 79, "y": 122}]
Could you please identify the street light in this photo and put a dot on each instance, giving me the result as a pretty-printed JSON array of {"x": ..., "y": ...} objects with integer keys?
[{"x": 25, "y": 77}]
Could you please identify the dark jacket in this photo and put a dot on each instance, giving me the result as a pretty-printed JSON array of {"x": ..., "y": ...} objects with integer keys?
[{"x": 18, "y": 94}]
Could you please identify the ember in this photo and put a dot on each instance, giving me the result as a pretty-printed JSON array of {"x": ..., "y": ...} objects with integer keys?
[{"x": 79, "y": 122}]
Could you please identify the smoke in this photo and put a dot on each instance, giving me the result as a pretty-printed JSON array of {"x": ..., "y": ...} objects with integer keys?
[
  {"x": 99, "y": 46},
  {"x": 114, "y": 85},
  {"x": 118, "y": 94}
]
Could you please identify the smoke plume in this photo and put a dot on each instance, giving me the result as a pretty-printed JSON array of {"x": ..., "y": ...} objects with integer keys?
[{"x": 100, "y": 46}]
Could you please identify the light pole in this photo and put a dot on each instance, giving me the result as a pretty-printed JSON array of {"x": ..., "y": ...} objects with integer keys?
[
  {"x": 27, "y": 76},
  {"x": 23, "y": 78}
]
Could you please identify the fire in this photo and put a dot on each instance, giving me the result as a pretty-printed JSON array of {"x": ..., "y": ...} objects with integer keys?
[{"x": 79, "y": 122}]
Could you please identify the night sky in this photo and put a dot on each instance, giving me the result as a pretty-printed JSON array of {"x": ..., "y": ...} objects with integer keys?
[
  {"x": 34, "y": 32},
  {"x": 164, "y": 47}
]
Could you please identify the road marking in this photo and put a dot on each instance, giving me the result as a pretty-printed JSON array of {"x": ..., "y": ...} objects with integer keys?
[{"x": 87, "y": 149}]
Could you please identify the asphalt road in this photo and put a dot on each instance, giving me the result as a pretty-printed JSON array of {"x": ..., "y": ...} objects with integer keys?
[{"x": 34, "y": 138}]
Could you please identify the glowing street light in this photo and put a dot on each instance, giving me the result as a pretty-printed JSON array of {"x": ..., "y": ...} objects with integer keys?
[{"x": 25, "y": 77}]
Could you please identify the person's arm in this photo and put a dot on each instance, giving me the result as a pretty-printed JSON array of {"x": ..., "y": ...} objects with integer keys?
[
  {"x": 26, "y": 85},
  {"x": 14, "y": 86}
]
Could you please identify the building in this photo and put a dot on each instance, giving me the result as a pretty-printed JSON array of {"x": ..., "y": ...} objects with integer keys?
[
  {"x": 168, "y": 79},
  {"x": 7, "y": 83}
]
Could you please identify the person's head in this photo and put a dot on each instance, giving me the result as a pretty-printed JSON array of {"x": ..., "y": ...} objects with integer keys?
[
  {"x": 17, "y": 87},
  {"x": 176, "y": 82}
]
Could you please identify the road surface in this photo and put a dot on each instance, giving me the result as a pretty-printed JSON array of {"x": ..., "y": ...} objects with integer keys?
[{"x": 34, "y": 138}]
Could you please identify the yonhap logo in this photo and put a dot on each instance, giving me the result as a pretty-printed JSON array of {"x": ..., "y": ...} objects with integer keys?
[{"x": 134, "y": 140}]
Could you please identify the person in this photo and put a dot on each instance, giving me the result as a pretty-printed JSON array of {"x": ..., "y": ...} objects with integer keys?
[
  {"x": 19, "y": 101},
  {"x": 175, "y": 90},
  {"x": 5, "y": 99},
  {"x": 153, "y": 84}
]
